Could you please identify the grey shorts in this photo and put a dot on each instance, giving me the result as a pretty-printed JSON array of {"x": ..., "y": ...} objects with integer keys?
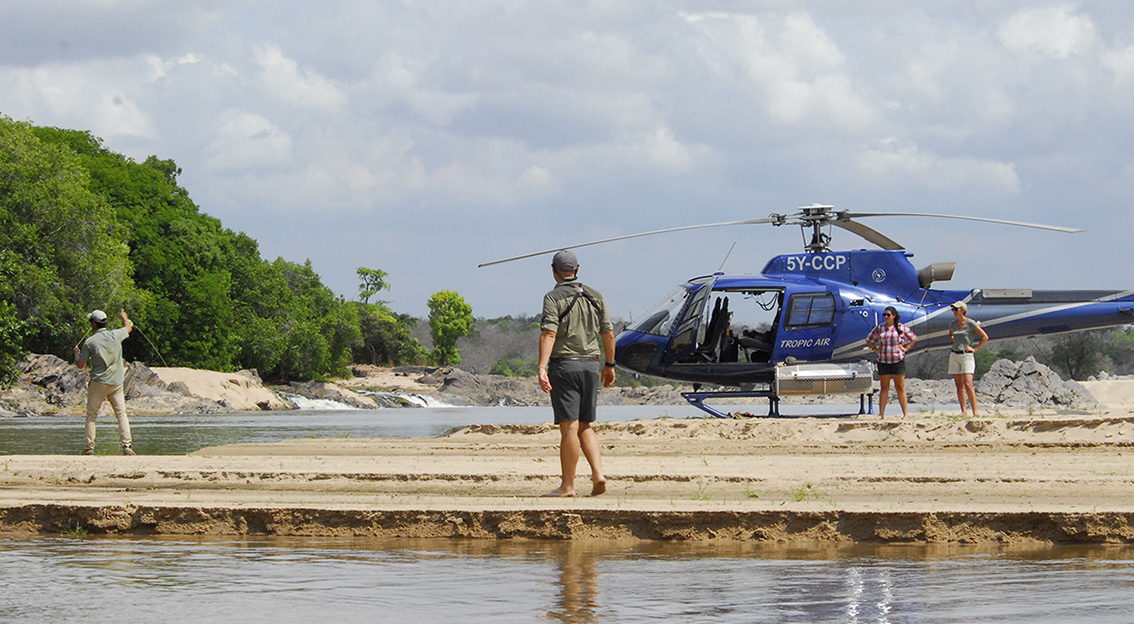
[{"x": 574, "y": 389}]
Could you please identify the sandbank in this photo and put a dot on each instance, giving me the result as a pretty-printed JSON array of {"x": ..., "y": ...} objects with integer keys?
[{"x": 1007, "y": 477}]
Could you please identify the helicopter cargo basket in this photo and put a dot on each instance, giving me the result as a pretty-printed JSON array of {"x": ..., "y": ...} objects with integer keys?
[{"x": 828, "y": 378}]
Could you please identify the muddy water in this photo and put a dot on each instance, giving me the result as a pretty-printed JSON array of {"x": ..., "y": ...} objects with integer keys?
[
  {"x": 183, "y": 433},
  {"x": 75, "y": 579}
]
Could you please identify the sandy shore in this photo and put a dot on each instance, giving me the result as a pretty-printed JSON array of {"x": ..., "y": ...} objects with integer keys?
[{"x": 1014, "y": 477}]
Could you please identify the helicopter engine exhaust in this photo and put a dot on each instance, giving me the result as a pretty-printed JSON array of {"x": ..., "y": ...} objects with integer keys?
[{"x": 936, "y": 272}]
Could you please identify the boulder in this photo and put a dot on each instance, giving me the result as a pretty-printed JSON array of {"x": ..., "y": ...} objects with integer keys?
[
  {"x": 240, "y": 391},
  {"x": 62, "y": 383},
  {"x": 1030, "y": 383}
]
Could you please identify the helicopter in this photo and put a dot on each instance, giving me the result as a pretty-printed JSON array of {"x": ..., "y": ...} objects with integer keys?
[{"x": 800, "y": 326}]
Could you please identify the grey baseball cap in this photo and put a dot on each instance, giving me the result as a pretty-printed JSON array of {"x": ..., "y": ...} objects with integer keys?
[
  {"x": 565, "y": 261},
  {"x": 97, "y": 316}
]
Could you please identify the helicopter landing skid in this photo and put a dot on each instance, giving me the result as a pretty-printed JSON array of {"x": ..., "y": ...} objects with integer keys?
[{"x": 697, "y": 399}]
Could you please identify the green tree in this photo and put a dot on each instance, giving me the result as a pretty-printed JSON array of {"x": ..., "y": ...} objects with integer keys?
[
  {"x": 372, "y": 281},
  {"x": 1077, "y": 354},
  {"x": 11, "y": 344},
  {"x": 386, "y": 338},
  {"x": 61, "y": 250},
  {"x": 512, "y": 366},
  {"x": 985, "y": 358},
  {"x": 179, "y": 256},
  {"x": 450, "y": 319},
  {"x": 292, "y": 326}
]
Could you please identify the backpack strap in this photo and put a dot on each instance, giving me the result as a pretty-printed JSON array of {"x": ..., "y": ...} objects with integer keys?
[{"x": 579, "y": 293}]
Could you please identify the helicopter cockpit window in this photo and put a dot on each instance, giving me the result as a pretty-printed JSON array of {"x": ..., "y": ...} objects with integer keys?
[
  {"x": 810, "y": 310},
  {"x": 659, "y": 319}
]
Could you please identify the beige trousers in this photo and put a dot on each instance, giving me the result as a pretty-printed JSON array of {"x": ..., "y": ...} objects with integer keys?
[{"x": 97, "y": 392}]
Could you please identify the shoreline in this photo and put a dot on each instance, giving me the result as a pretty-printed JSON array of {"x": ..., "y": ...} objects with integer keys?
[{"x": 1055, "y": 479}]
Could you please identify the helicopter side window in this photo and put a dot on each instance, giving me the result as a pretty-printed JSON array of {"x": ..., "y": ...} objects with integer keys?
[{"x": 810, "y": 310}]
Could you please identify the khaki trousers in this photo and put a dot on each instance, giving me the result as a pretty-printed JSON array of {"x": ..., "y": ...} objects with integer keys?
[{"x": 97, "y": 392}]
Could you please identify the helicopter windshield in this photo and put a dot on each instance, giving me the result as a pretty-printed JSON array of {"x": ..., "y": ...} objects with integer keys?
[{"x": 659, "y": 319}]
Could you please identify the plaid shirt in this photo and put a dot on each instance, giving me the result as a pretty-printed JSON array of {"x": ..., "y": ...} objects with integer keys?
[{"x": 889, "y": 341}]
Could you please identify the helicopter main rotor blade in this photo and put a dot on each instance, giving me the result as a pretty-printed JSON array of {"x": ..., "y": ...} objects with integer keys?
[
  {"x": 870, "y": 234},
  {"x": 618, "y": 238},
  {"x": 855, "y": 215}
]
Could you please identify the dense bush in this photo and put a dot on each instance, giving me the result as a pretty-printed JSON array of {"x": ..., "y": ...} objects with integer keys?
[{"x": 82, "y": 227}]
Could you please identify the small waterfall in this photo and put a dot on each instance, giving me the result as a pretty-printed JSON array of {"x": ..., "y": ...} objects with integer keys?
[
  {"x": 403, "y": 399},
  {"x": 305, "y": 403}
]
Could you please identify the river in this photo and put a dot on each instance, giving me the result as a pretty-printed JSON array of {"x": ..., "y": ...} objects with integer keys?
[
  {"x": 180, "y": 434},
  {"x": 58, "y": 579}
]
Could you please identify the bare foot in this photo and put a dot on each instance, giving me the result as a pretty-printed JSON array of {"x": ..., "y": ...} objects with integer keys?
[
  {"x": 599, "y": 488},
  {"x": 559, "y": 492}
]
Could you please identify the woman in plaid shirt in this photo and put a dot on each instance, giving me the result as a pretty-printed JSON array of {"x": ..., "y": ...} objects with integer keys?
[{"x": 890, "y": 341}]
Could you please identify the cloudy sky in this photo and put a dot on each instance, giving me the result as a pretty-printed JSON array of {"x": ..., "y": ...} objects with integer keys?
[{"x": 423, "y": 138}]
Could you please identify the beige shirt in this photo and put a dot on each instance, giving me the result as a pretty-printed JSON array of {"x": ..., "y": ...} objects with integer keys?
[{"x": 102, "y": 352}]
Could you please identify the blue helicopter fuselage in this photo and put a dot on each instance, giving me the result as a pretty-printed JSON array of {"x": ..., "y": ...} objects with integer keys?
[{"x": 824, "y": 306}]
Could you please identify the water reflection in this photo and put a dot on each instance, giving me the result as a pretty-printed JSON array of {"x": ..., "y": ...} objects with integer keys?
[
  {"x": 273, "y": 580},
  {"x": 577, "y": 602}
]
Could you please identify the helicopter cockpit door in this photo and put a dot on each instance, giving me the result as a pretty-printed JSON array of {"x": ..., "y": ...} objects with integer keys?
[{"x": 693, "y": 326}]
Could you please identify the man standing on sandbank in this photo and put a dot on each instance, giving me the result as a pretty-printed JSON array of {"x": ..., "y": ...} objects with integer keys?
[
  {"x": 570, "y": 368},
  {"x": 103, "y": 350}
]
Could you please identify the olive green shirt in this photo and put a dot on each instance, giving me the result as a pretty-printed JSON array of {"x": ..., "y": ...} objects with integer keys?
[
  {"x": 578, "y": 334},
  {"x": 102, "y": 352},
  {"x": 966, "y": 336}
]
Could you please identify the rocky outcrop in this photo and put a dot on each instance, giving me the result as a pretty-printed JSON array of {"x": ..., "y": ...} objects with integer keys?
[
  {"x": 49, "y": 385},
  {"x": 1030, "y": 383},
  {"x": 60, "y": 383},
  {"x": 489, "y": 389}
]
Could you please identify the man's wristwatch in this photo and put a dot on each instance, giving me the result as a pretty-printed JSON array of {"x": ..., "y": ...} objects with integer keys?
[{"x": 609, "y": 364}]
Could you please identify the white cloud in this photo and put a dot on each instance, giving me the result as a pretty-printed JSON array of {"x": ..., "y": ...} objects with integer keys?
[
  {"x": 790, "y": 63},
  {"x": 1054, "y": 31},
  {"x": 397, "y": 78},
  {"x": 538, "y": 180},
  {"x": 97, "y": 96},
  {"x": 247, "y": 141},
  {"x": 664, "y": 149},
  {"x": 1121, "y": 63},
  {"x": 897, "y": 163},
  {"x": 161, "y": 67},
  {"x": 302, "y": 88}
]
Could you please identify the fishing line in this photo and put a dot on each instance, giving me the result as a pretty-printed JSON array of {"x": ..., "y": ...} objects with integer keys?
[
  {"x": 151, "y": 345},
  {"x": 80, "y": 343}
]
